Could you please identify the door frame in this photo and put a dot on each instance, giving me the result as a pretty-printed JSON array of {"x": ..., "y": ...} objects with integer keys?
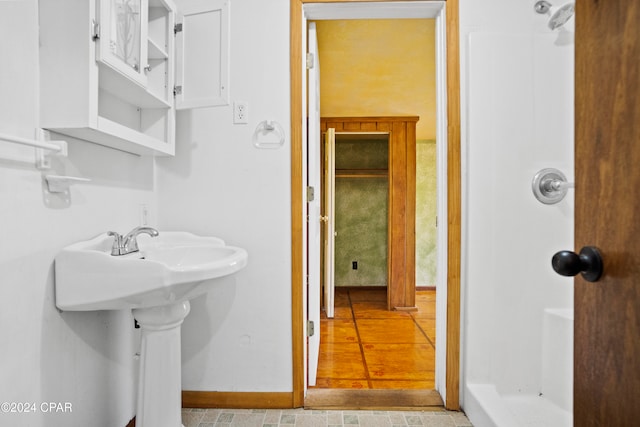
[
  {"x": 451, "y": 387},
  {"x": 401, "y": 179}
]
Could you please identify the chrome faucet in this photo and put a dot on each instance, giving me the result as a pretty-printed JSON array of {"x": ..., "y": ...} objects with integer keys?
[{"x": 123, "y": 245}]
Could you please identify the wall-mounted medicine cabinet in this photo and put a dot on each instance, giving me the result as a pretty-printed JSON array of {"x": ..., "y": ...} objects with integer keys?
[{"x": 114, "y": 72}]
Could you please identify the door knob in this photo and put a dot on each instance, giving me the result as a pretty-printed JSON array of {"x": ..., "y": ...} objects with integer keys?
[{"x": 588, "y": 262}]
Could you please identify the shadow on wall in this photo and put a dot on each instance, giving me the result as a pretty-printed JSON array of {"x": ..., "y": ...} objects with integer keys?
[
  {"x": 87, "y": 360},
  {"x": 208, "y": 314}
]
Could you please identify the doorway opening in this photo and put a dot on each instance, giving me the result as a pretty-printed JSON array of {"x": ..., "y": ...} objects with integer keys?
[
  {"x": 448, "y": 86},
  {"x": 381, "y": 334},
  {"x": 400, "y": 277}
]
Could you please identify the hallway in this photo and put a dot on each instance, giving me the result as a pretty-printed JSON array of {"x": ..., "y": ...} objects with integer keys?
[{"x": 368, "y": 347}]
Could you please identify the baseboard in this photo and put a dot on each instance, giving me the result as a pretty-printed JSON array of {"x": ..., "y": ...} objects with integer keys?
[
  {"x": 414, "y": 308},
  {"x": 346, "y": 399},
  {"x": 363, "y": 288},
  {"x": 378, "y": 288},
  {"x": 237, "y": 400}
]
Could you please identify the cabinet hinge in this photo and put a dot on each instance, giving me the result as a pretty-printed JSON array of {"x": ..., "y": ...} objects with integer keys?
[
  {"x": 177, "y": 28},
  {"x": 95, "y": 31},
  {"x": 310, "y": 61},
  {"x": 311, "y": 328},
  {"x": 177, "y": 90},
  {"x": 311, "y": 194}
]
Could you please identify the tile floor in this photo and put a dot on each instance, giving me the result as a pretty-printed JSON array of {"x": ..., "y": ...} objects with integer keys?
[
  {"x": 316, "y": 418},
  {"x": 365, "y": 346}
]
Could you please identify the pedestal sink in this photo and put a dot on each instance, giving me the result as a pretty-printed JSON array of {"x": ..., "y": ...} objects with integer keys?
[{"x": 156, "y": 283}]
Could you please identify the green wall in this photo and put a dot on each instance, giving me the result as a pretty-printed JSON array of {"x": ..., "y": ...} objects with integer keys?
[
  {"x": 361, "y": 223},
  {"x": 362, "y": 208},
  {"x": 426, "y": 213}
]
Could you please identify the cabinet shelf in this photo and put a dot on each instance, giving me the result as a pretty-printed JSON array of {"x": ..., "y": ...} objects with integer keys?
[
  {"x": 115, "y": 135},
  {"x": 154, "y": 51},
  {"x": 128, "y": 90}
]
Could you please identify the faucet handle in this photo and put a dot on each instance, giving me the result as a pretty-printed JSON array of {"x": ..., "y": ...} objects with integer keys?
[{"x": 116, "y": 248}]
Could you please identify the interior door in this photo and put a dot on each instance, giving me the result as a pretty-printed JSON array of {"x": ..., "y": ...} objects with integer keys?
[
  {"x": 607, "y": 312},
  {"x": 314, "y": 181},
  {"x": 329, "y": 220}
]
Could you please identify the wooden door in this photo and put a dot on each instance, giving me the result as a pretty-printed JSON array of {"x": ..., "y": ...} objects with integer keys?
[{"x": 607, "y": 312}]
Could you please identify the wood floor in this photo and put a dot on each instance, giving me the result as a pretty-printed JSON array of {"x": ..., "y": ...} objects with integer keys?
[{"x": 365, "y": 346}]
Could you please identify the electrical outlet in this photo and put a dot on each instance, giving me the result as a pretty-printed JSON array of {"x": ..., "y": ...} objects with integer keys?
[
  {"x": 240, "y": 112},
  {"x": 144, "y": 214}
]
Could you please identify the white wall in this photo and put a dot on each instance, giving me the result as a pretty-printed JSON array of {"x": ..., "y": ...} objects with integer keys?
[
  {"x": 238, "y": 338},
  {"x": 86, "y": 359},
  {"x": 517, "y": 118}
]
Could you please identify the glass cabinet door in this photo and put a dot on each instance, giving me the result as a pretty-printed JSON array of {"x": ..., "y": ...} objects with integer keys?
[
  {"x": 124, "y": 32},
  {"x": 123, "y": 37}
]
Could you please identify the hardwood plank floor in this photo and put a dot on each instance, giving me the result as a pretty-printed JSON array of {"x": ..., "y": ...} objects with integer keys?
[{"x": 365, "y": 346}]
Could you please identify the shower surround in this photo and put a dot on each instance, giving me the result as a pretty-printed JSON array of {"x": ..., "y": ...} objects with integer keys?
[{"x": 517, "y": 313}]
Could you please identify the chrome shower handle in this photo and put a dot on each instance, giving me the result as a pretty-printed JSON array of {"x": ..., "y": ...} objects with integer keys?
[{"x": 550, "y": 186}]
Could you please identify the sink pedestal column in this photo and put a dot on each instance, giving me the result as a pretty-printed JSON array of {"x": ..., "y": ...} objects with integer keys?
[{"x": 159, "y": 384}]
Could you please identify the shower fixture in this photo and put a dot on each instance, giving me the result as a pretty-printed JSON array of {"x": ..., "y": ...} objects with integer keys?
[
  {"x": 550, "y": 186},
  {"x": 559, "y": 15}
]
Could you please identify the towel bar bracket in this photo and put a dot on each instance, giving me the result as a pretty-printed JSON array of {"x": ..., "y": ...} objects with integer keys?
[{"x": 43, "y": 156}]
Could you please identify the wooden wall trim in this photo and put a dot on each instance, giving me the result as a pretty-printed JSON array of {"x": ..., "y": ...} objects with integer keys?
[
  {"x": 360, "y": 119},
  {"x": 454, "y": 210},
  {"x": 297, "y": 250},
  {"x": 407, "y": 400},
  {"x": 401, "y": 279},
  {"x": 223, "y": 399}
]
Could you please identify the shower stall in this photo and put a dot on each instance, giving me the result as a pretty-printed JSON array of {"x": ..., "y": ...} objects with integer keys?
[{"x": 518, "y": 314}]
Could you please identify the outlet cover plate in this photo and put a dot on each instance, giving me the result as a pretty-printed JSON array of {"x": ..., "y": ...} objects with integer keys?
[{"x": 240, "y": 112}]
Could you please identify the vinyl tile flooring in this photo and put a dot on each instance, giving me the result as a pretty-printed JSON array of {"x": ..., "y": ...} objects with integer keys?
[
  {"x": 315, "y": 418},
  {"x": 366, "y": 346}
]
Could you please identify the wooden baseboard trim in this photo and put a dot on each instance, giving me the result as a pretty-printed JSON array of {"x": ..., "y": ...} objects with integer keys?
[
  {"x": 346, "y": 399},
  {"x": 413, "y": 308},
  {"x": 236, "y": 400},
  {"x": 362, "y": 288}
]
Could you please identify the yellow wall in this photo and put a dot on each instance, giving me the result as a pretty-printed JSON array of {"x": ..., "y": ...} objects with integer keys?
[{"x": 379, "y": 67}]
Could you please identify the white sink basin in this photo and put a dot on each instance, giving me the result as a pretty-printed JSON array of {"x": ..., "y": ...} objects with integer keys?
[{"x": 172, "y": 267}]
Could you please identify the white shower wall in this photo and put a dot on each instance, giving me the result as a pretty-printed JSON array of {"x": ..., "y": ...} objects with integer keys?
[{"x": 517, "y": 96}]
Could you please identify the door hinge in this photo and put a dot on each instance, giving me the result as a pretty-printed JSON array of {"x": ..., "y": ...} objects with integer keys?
[
  {"x": 95, "y": 31},
  {"x": 311, "y": 194},
  {"x": 311, "y": 329},
  {"x": 177, "y": 90},
  {"x": 310, "y": 61},
  {"x": 177, "y": 28}
]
